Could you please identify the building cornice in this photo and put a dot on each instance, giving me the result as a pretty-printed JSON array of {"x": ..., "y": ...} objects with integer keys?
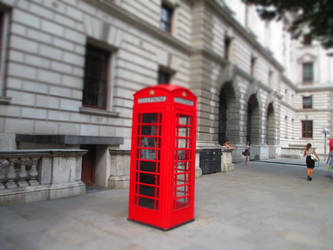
[
  {"x": 225, "y": 13},
  {"x": 315, "y": 88},
  {"x": 210, "y": 54},
  {"x": 70, "y": 139},
  {"x": 251, "y": 79},
  {"x": 139, "y": 23},
  {"x": 314, "y": 110},
  {"x": 278, "y": 95},
  {"x": 5, "y": 100},
  {"x": 224, "y": 62},
  {"x": 286, "y": 80},
  {"x": 288, "y": 106}
]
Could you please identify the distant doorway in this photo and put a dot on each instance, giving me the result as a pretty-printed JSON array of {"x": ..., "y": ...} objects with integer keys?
[
  {"x": 227, "y": 112},
  {"x": 253, "y": 120},
  {"x": 89, "y": 166},
  {"x": 270, "y": 125}
]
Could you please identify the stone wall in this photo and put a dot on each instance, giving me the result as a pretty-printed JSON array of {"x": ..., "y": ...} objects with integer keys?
[
  {"x": 46, "y": 65},
  {"x": 320, "y": 114},
  {"x": 46, "y": 55},
  {"x": 213, "y": 74}
]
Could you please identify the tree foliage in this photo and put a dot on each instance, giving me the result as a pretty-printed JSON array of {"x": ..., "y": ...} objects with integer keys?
[{"x": 313, "y": 18}]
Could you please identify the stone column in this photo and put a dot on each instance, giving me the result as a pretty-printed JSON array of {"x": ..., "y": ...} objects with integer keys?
[
  {"x": 198, "y": 171},
  {"x": 23, "y": 173},
  {"x": 227, "y": 160},
  {"x": 11, "y": 176},
  {"x": 2, "y": 176},
  {"x": 33, "y": 173}
]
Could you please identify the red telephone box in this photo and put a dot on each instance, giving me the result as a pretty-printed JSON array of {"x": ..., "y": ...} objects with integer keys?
[
  {"x": 331, "y": 145},
  {"x": 162, "y": 175}
]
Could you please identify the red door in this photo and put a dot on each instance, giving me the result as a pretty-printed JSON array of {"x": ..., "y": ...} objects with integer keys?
[{"x": 89, "y": 166}]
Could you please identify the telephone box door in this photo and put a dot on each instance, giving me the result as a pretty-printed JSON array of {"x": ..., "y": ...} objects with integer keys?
[{"x": 147, "y": 169}]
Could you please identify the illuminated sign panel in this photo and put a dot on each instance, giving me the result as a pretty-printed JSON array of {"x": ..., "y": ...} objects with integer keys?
[
  {"x": 184, "y": 101},
  {"x": 152, "y": 99}
]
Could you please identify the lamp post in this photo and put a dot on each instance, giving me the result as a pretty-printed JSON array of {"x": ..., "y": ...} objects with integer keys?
[{"x": 326, "y": 132}]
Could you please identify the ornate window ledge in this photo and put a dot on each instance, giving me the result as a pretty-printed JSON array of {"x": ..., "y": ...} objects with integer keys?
[
  {"x": 5, "y": 100},
  {"x": 93, "y": 111},
  {"x": 70, "y": 139}
]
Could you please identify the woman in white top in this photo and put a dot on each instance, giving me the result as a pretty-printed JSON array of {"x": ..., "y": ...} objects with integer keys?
[{"x": 309, "y": 162}]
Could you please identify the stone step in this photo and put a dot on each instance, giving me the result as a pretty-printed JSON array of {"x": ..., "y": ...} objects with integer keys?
[{"x": 296, "y": 146}]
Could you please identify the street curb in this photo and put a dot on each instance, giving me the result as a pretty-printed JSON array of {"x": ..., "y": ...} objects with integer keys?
[{"x": 281, "y": 162}]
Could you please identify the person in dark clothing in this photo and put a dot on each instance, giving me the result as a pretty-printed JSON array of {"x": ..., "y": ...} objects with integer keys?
[{"x": 309, "y": 152}]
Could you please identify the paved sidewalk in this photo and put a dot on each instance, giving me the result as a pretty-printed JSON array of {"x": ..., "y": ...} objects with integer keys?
[{"x": 262, "y": 206}]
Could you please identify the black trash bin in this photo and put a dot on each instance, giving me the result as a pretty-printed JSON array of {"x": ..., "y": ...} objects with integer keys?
[{"x": 210, "y": 160}]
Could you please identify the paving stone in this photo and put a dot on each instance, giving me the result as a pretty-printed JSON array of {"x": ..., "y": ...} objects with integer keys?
[{"x": 267, "y": 205}]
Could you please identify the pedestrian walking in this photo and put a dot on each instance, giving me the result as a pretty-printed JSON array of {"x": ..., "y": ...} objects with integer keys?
[
  {"x": 311, "y": 157},
  {"x": 246, "y": 152},
  {"x": 330, "y": 163}
]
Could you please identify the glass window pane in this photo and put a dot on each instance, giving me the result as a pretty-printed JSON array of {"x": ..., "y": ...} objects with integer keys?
[
  {"x": 148, "y": 203},
  {"x": 183, "y": 202},
  {"x": 149, "y": 142},
  {"x": 183, "y": 132},
  {"x": 164, "y": 26},
  {"x": 147, "y": 178},
  {"x": 1, "y": 31},
  {"x": 182, "y": 167},
  {"x": 150, "y": 118},
  {"x": 307, "y": 129},
  {"x": 165, "y": 14},
  {"x": 95, "y": 76},
  {"x": 148, "y": 154},
  {"x": 181, "y": 180},
  {"x": 308, "y": 72},
  {"x": 183, "y": 143},
  {"x": 147, "y": 190},
  {"x": 183, "y": 155},
  {"x": 184, "y": 120},
  {"x": 163, "y": 76},
  {"x": 148, "y": 166},
  {"x": 149, "y": 130},
  {"x": 166, "y": 18},
  {"x": 307, "y": 101}
]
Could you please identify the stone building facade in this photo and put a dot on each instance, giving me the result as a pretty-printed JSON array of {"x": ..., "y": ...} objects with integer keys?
[
  {"x": 305, "y": 86},
  {"x": 314, "y": 92},
  {"x": 50, "y": 98}
]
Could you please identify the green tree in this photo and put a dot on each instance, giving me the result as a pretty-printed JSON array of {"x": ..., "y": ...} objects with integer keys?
[{"x": 316, "y": 15}]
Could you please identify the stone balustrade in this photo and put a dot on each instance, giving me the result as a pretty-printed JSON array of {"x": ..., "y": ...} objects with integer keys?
[
  {"x": 16, "y": 172},
  {"x": 30, "y": 175}
]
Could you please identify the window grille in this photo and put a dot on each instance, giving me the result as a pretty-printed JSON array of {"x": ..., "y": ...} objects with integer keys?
[
  {"x": 95, "y": 77},
  {"x": 307, "y": 127},
  {"x": 147, "y": 182},
  {"x": 307, "y": 102},
  {"x": 307, "y": 72},
  {"x": 166, "y": 19}
]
